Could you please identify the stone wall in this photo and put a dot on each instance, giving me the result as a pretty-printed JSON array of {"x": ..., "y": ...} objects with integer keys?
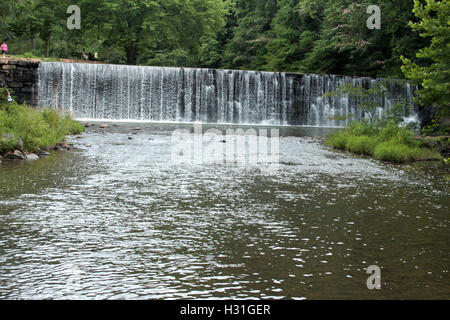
[{"x": 21, "y": 77}]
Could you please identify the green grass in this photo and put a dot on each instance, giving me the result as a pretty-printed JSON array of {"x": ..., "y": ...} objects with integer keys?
[
  {"x": 36, "y": 128},
  {"x": 383, "y": 141}
]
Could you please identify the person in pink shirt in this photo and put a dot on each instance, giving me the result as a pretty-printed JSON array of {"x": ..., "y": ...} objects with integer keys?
[{"x": 4, "y": 48}]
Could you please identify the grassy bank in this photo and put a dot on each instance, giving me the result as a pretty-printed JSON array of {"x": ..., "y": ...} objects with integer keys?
[
  {"x": 30, "y": 129},
  {"x": 383, "y": 141}
]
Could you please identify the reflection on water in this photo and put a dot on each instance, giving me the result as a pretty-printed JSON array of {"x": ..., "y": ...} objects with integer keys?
[{"x": 119, "y": 220}]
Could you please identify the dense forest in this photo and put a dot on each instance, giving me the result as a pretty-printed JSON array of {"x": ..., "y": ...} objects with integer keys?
[{"x": 320, "y": 36}]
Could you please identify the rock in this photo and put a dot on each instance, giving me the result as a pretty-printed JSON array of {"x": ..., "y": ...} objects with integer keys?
[
  {"x": 88, "y": 145},
  {"x": 61, "y": 147},
  {"x": 16, "y": 155},
  {"x": 43, "y": 153},
  {"x": 137, "y": 129},
  {"x": 88, "y": 125},
  {"x": 104, "y": 126},
  {"x": 32, "y": 156},
  {"x": 130, "y": 138}
]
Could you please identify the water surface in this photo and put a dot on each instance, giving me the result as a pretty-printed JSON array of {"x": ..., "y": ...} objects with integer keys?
[{"x": 119, "y": 220}]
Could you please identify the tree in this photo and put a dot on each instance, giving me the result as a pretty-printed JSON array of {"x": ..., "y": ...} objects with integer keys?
[
  {"x": 295, "y": 29},
  {"x": 161, "y": 31},
  {"x": 433, "y": 73},
  {"x": 368, "y": 99},
  {"x": 247, "y": 48}
]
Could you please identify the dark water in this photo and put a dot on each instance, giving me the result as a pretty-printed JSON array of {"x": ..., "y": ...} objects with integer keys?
[{"x": 120, "y": 220}]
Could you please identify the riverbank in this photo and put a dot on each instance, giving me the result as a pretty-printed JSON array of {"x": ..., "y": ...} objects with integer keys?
[
  {"x": 388, "y": 142},
  {"x": 27, "y": 133}
]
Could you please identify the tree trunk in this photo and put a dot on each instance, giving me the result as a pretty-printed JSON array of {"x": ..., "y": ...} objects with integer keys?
[{"x": 132, "y": 53}]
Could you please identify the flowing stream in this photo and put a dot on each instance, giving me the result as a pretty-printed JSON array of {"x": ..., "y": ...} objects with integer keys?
[{"x": 116, "y": 218}]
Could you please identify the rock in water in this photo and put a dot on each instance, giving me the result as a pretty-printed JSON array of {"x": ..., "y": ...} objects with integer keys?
[
  {"x": 104, "y": 126},
  {"x": 32, "y": 156},
  {"x": 61, "y": 147},
  {"x": 16, "y": 155},
  {"x": 43, "y": 153}
]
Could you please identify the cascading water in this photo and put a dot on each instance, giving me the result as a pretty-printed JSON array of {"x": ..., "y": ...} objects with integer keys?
[{"x": 115, "y": 92}]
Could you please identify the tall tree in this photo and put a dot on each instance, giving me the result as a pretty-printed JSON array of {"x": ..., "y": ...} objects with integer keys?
[
  {"x": 433, "y": 72},
  {"x": 159, "y": 30},
  {"x": 247, "y": 48}
]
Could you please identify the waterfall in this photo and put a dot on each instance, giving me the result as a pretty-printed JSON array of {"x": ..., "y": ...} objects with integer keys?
[{"x": 117, "y": 92}]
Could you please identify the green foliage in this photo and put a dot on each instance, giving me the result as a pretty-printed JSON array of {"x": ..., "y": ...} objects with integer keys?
[
  {"x": 36, "y": 128},
  {"x": 435, "y": 128},
  {"x": 433, "y": 73},
  {"x": 331, "y": 36},
  {"x": 322, "y": 36},
  {"x": 368, "y": 100},
  {"x": 361, "y": 144},
  {"x": 395, "y": 152},
  {"x": 3, "y": 96},
  {"x": 384, "y": 141},
  {"x": 250, "y": 24},
  {"x": 121, "y": 31},
  {"x": 8, "y": 143}
]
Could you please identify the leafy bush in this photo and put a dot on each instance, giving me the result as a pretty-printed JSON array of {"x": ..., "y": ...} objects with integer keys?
[
  {"x": 387, "y": 141},
  {"x": 361, "y": 144},
  {"x": 29, "y": 55},
  {"x": 338, "y": 141},
  {"x": 8, "y": 143},
  {"x": 36, "y": 128},
  {"x": 395, "y": 152}
]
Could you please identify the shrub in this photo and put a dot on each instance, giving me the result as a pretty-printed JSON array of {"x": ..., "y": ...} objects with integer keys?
[
  {"x": 28, "y": 55},
  {"x": 362, "y": 144},
  {"x": 362, "y": 128},
  {"x": 387, "y": 141},
  {"x": 8, "y": 143},
  {"x": 395, "y": 152},
  {"x": 37, "y": 128},
  {"x": 338, "y": 140}
]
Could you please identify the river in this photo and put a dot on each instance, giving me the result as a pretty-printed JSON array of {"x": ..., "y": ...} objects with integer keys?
[{"x": 117, "y": 219}]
